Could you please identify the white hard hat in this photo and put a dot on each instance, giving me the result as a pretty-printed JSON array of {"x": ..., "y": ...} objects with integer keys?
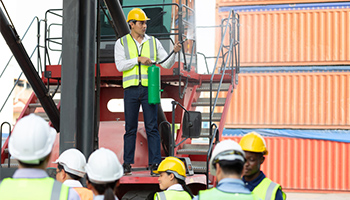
[
  {"x": 226, "y": 150},
  {"x": 73, "y": 161},
  {"x": 103, "y": 167},
  {"x": 32, "y": 139}
]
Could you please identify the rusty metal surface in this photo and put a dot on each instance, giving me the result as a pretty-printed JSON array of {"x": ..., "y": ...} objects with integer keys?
[
  {"x": 313, "y": 100},
  {"x": 294, "y": 36},
  {"x": 307, "y": 165}
]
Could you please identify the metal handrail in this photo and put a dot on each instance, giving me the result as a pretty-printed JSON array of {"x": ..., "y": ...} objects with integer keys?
[
  {"x": 1, "y": 141},
  {"x": 47, "y": 39},
  {"x": 23, "y": 37},
  {"x": 205, "y": 60},
  {"x": 14, "y": 85},
  {"x": 211, "y": 145},
  {"x": 226, "y": 61}
]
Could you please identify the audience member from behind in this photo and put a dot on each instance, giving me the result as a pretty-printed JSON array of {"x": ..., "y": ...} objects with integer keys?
[
  {"x": 103, "y": 173},
  {"x": 31, "y": 144},
  {"x": 70, "y": 170},
  {"x": 172, "y": 176},
  {"x": 226, "y": 164}
]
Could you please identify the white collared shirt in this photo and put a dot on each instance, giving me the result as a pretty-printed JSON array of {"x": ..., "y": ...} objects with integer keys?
[
  {"x": 72, "y": 183},
  {"x": 102, "y": 197},
  {"x": 123, "y": 64},
  {"x": 177, "y": 187}
]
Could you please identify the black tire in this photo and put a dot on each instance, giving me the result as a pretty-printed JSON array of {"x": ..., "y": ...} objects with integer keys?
[{"x": 138, "y": 195}]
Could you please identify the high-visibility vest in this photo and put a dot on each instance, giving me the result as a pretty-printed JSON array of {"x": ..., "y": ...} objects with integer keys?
[
  {"x": 214, "y": 193},
  {"x": 267, "y": 189},
  {"x": 138, "y": 74},
  {"x": 172, "y": 195},
  {"x": 84, "y": 193},
  {"x": 33, "y": 189}
]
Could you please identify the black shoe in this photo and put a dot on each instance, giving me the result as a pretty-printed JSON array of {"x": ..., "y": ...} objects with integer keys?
[
  {"x": 127, "y": 169},
  {"x": 152, "y": 168}
]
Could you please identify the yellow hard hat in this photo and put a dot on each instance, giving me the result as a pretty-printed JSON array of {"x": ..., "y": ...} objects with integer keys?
[
  {"x": 172, "y": 165},
  {"x": 137, "y": 14},
  {"x": 253, "y": 142}
]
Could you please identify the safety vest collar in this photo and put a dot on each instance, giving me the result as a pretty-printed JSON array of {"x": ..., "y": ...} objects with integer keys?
[
  {"x": 267, "y": 189},
  {"x": 215, "y": 193},
  {"x": 172, "y": 195},
  {"x": 138, "y": 74}
]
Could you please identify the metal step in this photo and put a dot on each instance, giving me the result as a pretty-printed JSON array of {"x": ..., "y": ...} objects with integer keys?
[
  {"x": 13, "y": 163},
  {"x": 38, "y": 104},
  {"x": 194, "y": 149},
  {"x": 199, "y": 166},
  {"x": 34, "y": 105},
  {"x": 53, "y": 88},
  {"x": 206, "y": 87},
  {"x": 205, "y": 133},
  {"x": 206, "y": 102},
  {"x": 216, "y": 117}
]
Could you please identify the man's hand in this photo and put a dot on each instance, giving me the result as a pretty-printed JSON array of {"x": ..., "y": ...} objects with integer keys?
[
  {"x": 144, "y": 60},
  {"x": 177, "y": 47}
]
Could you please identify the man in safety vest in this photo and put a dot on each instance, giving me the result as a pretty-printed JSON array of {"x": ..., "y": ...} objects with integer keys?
[
  {"x": 134, "y": 53},
  {"x": 226, "y": 163},
  {"x": 255, "y": 180},
  {"x": 70, "y": 169},
  {"x": 31, "y": 143}
]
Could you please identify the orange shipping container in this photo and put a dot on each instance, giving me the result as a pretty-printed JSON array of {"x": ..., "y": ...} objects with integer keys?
[
  {"x": 309, "y": 100},
  {"x": 294, "y": 36},
  {"x": 263, "y": 2},
  {"x": 307, "y": 165}
]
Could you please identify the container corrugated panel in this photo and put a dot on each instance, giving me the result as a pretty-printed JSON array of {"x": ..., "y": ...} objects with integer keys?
[
  {"x": 317, "y": 100},
  {"x": 295, "y": 37},
  {"x": 264, "y": 2},
  {"x": 304, "y": 164}
]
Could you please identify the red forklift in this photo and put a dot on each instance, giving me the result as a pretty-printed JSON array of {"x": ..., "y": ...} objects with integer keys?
[{"x": 81, "y": 95}]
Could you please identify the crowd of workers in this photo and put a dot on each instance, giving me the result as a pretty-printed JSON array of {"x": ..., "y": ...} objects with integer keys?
[{"x": 32, "y": 141}]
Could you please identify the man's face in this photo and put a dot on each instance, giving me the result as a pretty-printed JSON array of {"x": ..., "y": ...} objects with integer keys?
[
  {"x": 252, "y": 165},
  {"x": 139, "y": 27}
]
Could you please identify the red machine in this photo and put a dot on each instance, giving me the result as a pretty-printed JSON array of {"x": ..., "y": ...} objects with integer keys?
[{"x": 194, "y": 115}]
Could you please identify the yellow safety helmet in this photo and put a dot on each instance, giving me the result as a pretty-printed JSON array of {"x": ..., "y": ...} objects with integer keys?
[
  {"x": 174, "y": 166},
  {"x": 253, "y": 142},
  {"x": 137, "y": 14}
]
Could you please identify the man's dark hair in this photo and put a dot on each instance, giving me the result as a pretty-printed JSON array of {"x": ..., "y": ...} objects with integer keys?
[
  {"x": 108, "y": 189},
  {"x": 231, "y": 167},
  {"x": 133, "y": 21},
  {"x": 73, "y": 176}
]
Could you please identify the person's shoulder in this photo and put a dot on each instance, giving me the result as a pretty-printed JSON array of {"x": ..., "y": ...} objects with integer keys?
[{"x": 72, "y": 193}]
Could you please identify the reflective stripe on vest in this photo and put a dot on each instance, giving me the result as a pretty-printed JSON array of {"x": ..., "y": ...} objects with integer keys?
[
  {"x": 214, "y": 193},
  {"x": 172, "y": 195},
  {"x": 132, "y": 77},
  {"x": 267, "y": 189},
  {"x": 40, "y": 188}
]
